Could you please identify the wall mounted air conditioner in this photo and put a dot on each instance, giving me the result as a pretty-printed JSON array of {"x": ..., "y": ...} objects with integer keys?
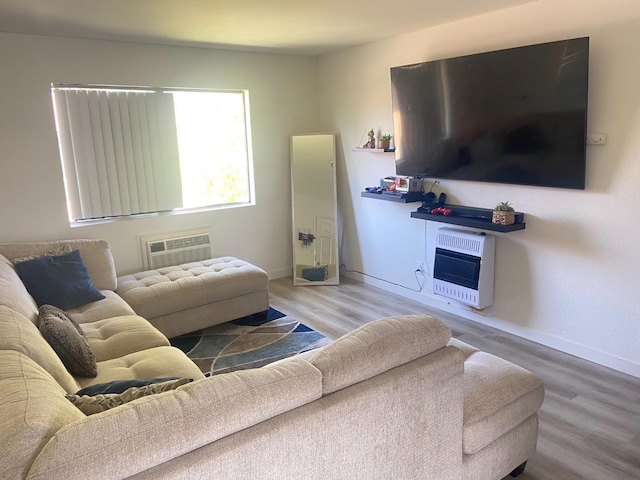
[{"x": 175, "y": 248}]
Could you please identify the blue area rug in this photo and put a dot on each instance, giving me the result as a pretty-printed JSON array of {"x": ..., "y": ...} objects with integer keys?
[{"x": 248, "y": 342}]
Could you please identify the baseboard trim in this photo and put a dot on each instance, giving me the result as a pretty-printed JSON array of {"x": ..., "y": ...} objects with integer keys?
[
  {"x": 284, "y": 272},
  {"x": 581, "y": 351}
]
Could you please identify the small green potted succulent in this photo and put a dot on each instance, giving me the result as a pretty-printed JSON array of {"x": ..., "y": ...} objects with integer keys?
[
  {"x": 503, "y": 214},
  {"x": 384, "y": 141}
]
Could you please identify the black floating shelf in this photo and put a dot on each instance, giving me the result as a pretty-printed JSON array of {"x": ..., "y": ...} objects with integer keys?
[
  {"x": 374, "y": 150},
  {"x": 408, "y": 197},
  {"x": 472, "y": 217}
]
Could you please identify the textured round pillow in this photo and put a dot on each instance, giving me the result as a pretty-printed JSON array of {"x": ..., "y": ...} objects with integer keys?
[{"x": 67, "y": 339}]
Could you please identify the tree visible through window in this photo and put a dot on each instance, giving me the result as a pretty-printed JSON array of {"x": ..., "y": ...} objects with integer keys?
[
  {"x": 129, "y": 151},
  {"x": 212, "y": 144}
]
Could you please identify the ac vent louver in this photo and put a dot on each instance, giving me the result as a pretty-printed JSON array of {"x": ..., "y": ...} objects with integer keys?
[{"x": 176, "y": 248}]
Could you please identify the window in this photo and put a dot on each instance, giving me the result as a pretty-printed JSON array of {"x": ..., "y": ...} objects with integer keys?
[{"x": 131, "y": 151}]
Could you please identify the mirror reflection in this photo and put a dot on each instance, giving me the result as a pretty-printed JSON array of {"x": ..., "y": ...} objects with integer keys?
[{"x": 313, "y": 192}]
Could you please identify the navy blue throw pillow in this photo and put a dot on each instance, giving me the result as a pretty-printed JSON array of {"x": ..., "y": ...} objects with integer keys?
[
  {"x": 119, "y": 386},
  {"x": 61, "y": 281}
]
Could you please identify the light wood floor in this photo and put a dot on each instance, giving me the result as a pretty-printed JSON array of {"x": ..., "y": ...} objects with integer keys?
[{"x": 590, "y": 419}]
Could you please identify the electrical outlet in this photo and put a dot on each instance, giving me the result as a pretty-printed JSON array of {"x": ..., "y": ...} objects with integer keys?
[{"x": 596, "y": 138}]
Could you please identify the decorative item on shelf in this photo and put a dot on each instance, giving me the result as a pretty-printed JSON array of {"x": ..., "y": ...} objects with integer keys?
[
  {"x": 384, "y": 141},
  {"x": 503, "y": 214},
  {"x": 371, "y": 143}
]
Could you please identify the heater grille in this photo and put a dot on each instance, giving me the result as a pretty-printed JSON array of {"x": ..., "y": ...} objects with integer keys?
[
  {"x": 173, "y": 249},
  {"x": 459, "y": 241},
  {"x": 456, "y": 292}
]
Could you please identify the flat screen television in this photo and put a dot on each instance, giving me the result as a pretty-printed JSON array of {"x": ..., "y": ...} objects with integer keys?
[{"x": 514, "y": 116}]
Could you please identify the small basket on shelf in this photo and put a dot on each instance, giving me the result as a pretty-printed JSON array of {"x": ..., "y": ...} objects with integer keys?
[{"x": 503, "y": 214}]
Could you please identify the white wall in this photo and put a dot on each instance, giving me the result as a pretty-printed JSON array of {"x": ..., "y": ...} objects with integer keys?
[
  {"x": 283, "y": 100},
  {"x": 570, "y": 280}
]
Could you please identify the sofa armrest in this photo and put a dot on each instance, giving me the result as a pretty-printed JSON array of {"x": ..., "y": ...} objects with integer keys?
[{"x": 162, "y": 427}]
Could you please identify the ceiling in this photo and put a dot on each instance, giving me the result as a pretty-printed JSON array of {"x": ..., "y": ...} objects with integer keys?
[{"x": 284, "y": 26}]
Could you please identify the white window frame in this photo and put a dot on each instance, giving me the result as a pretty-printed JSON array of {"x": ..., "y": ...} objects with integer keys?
[{"x": 119, "y": 151}]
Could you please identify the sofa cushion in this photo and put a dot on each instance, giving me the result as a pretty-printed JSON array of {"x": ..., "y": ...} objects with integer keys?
[
  {"x": 377, "y": 347},
  {"x": 119, "y": 336},
  {"x": 92, "y": 404},
  {"x": 467, "y": 349},
  {"x": 498, "y": 396},
  {"x": 112, "y": 305},
  {"x": 95, "y": 253},
  {"x": 67, "y": 340},
  {"x": 21, "y": 335},
  {"x": 13, "y": 293},
  {"x": 62, "y": 281},
  {"x": 150, "y": 363},
  {"x": 33, "y": 409}
]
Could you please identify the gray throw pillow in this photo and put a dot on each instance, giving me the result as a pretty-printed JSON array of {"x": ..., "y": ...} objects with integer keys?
[{"x": 67, "y": 339}]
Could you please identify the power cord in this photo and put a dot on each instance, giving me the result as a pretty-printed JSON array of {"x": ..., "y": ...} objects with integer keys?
[
  {"x": 421, "y": 285},
  {"x": 343, "y": 266},
  {"x": 423, "y": 271}
]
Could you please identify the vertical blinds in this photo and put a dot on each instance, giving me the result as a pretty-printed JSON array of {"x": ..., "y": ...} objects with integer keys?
[{"x": 119, "y": 151}]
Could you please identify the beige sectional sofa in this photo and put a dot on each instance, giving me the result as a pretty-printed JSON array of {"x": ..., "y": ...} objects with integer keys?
[{"x": 395, "y": 399}]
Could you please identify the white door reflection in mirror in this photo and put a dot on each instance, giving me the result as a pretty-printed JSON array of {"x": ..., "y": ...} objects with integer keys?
[{"x": 313, "y": 190}]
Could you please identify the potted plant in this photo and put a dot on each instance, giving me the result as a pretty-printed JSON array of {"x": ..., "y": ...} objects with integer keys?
[
  {"x": 384, "y": 141},
  {"x": 503, "y": 214}
]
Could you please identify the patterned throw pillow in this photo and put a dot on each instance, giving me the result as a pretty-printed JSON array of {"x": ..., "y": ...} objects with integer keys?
[
  {"x": 55, "y": 252},
  {"x": 119, "y": 386},
  {"x": 67, "y": 339},
  {"x": 101, "y": 402}
]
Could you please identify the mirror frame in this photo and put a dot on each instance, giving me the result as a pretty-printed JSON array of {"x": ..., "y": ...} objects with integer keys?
[{"x": 321, "y": 233}]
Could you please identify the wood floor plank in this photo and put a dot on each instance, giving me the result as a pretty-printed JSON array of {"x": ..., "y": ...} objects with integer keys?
[{"x": 589, "y": 421}]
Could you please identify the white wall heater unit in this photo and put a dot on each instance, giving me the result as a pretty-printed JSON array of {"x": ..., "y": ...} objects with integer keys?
[
  {"x": 175, "y": 248},
  {"x": 463, "y": 267}
]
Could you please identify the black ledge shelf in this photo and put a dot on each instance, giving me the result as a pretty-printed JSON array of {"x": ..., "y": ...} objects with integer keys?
[
  {"x": 472, "y": 217},
  {"x": 373, "y": 150},
  {"x": 408, "y": 197}
]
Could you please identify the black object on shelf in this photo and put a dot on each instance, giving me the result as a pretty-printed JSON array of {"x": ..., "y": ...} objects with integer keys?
[
  {"x": 471, "y": 217},
  {"x": 400, "y": 197}
]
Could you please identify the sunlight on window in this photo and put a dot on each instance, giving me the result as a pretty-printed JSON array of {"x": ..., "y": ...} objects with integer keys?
[{"x": 212, "y": 144}]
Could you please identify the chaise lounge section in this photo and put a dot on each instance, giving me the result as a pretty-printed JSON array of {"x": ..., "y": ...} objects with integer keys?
[
  {"x": 192, "y": 296},
  {"x": 396, "y": 398}
]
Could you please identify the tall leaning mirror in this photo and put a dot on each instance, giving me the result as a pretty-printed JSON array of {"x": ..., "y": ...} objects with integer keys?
[{"x": 313, "y": 192}]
